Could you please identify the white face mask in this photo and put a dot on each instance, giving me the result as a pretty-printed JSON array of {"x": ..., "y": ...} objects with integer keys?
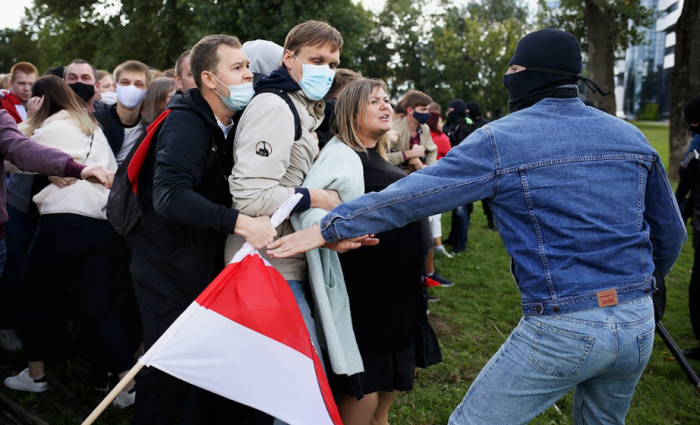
[
  {"x": 109, "y": 97},
  {"x": 129, "y": 96}
]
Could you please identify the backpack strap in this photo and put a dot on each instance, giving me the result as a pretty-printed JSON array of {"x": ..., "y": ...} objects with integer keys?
[
  {"x": 136, "y": 162},
  {"x": 284, "y": 95}
]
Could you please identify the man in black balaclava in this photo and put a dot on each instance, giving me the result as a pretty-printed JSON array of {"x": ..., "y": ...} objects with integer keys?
[
  {"x": 587, "y": 215},
  {"x": 546, "y": 64},
  {"x": 692, "y": 116}
]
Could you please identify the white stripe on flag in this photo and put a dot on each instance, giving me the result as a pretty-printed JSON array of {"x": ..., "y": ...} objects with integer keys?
[{"x": 242, "y": 365}]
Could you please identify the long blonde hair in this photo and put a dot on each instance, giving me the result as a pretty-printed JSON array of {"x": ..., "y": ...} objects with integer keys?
[
  {"x": 59, "y": 97},
  {"x": 353, "y": 103}
]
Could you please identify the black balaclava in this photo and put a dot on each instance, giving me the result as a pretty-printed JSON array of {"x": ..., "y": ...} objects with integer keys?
[
  {"x": 552, "y": 59},
  {"x": 459, "y": 111},
  {"x": 692, "y": 113},
  {"x": 474, "y": 112}
]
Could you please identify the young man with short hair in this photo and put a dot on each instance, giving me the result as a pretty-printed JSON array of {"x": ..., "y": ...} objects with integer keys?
[
  {"x": 183, "y": 74},
  {"x": 22, "y": 76},
  {"x": 179, "y": 250},
  {"x": 22, "y": 212},
  {"x": 270, "y": 165},
  {"x": 122, "y": 123}
]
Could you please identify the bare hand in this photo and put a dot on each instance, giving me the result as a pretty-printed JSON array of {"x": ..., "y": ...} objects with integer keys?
[
  {"x": 417, "y": 151},
  {"x": 62, "y": 181},
  {"x": 98, "y": 174},
  {"x": 345, "y": 245},
  {"x": 311, "y": 238},
  {"x": 257, "y": 231},
  {"x": 393, "y": 136},
  {"x": 324, "y": 199},
  {"x": 415, "y": 164},
  {"x": 33, "y": 105}
]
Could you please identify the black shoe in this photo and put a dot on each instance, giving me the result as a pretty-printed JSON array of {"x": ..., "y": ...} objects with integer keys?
[
  {"x": 457, "y": 249},
  {"x": 691, "y": 354},
  {"x": 492, "y": 225},
  {"x": 441, "y": 280},
  {"x": 448, "y": 241}
]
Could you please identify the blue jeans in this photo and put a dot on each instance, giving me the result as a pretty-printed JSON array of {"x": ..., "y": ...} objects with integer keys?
[
  {"x": 299, "y": 289},
  {"x": 601, "y": 352},
  {"x": 459, "y": 234}
]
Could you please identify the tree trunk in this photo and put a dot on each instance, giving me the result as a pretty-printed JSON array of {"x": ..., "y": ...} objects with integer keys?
[
  {"x": 685, "y": 81},
  {"x": 602, "y": 33}
]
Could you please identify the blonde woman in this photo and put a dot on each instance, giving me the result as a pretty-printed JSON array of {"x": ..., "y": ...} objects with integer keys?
[
  {"x": 73, "y": 243},
  {"x": 383, "y": 281}
]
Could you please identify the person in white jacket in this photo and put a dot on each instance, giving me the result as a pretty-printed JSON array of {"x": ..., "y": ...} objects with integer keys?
[{"x": 73, "y": 244}]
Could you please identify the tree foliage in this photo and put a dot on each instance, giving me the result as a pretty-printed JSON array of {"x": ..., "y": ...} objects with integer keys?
[
  {"x": 602, "y": 27},
  {"x": 437, "y": 46}
]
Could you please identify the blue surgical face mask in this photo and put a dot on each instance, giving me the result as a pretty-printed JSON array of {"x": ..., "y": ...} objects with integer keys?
[
  {"x": 316, "y": 81},
  {"x": 240, "y": 96}
]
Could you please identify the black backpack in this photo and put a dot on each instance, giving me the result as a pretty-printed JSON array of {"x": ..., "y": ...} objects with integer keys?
[{"x": 124, "y": 207}]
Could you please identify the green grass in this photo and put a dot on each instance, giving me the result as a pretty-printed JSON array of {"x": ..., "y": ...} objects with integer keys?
[{"x": 473, "y": 317}]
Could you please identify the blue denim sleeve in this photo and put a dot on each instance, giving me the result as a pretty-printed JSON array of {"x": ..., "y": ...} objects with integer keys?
[
  {"x": 666, "y": 226},
  {"x": 466, "y": 174}
]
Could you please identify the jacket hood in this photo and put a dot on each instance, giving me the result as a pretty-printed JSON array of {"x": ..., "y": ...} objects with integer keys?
[{"x": 278, "y": 79}]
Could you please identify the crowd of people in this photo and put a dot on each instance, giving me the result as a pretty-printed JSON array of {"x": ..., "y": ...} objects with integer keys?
[{"x": 245, "y": 126}]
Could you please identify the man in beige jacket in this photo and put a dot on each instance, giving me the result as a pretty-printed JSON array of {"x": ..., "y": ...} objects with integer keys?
[{"x": 273, "y": 152}]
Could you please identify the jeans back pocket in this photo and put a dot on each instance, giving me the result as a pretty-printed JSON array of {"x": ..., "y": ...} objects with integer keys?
[
  {"x": 558, "y": 352},
  {"x": 646, "y": 344}
]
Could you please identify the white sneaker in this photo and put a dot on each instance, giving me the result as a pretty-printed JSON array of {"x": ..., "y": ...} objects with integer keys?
[
  {"x": 125, "y": 399},
  {"x": 440, "y": 249},
  {"x": 9, "y": 341},
  {"x": 24, "y": 382}
]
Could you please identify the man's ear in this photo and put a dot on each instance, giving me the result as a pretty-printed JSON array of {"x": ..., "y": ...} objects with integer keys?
[
  {"x": 288, "y": 58},
  {"x": 97, "y": 86},
  {"x": 208, "y": 80}
]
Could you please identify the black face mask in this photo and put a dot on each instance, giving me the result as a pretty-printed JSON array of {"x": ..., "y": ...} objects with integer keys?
[
  {"x": 454, "y": 117},
  {"x": 84, "y": 91}
]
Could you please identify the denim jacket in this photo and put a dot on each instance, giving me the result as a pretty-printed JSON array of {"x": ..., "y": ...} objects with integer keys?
[{"x": 580, "y": 197}]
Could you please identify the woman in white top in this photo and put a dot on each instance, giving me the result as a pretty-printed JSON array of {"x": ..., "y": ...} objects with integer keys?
[{"x": 73, "y": 243}]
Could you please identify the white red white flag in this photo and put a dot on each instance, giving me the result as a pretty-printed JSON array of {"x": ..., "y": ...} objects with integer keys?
[{"x": 244, "y": 338}]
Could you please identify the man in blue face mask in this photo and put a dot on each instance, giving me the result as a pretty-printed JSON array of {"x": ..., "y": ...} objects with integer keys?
[
  {"x": 182, "y": 238},
  {"x": 276, "y": 143}
]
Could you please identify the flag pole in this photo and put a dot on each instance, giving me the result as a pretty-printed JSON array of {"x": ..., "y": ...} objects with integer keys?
[{"x": 113, "y": 394}]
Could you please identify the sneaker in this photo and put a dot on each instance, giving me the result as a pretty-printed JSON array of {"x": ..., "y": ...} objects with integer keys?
[
  {"x": 441, "y": 280},
  {"x": 9, "y": 341},
  {"x": 440, "y": 249},
  {"x": 23, "y": 382},
  {"x": 431, "y": 283},
  {"x": 125, "y": 398},
  {"x": 692, "y": 354}
]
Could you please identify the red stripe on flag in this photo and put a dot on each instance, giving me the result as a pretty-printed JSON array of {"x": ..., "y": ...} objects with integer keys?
[{"x": 257, "y": 296}]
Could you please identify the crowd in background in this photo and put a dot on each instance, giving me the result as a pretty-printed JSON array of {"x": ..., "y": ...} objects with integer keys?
[{"x": 66, "y": 266}]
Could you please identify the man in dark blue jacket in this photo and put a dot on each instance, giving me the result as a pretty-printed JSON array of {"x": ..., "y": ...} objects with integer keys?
[{"x": 180, "y": 248}]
